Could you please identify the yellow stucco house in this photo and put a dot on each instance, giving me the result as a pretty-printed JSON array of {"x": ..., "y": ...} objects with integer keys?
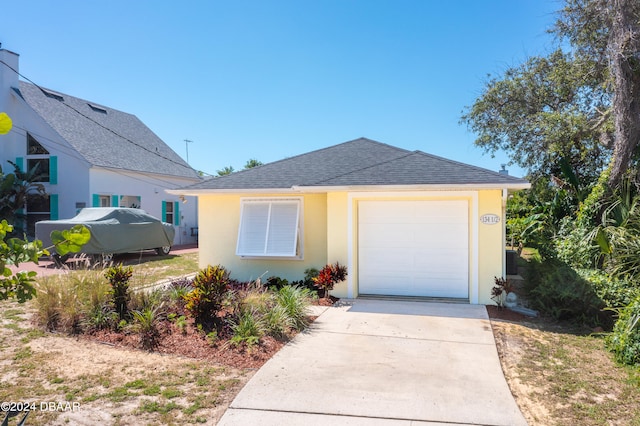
[{"x": 405, "y": 223}]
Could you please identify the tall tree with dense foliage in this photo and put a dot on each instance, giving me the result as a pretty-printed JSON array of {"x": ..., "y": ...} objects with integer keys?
[
  {"x": 547, "y": 109},
  {"x": 607, "y": 33}
]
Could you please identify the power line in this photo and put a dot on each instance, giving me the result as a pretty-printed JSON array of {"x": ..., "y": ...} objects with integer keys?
[
  {"x": 100, "y": 124},
  {"x": 74, "y": 154}
]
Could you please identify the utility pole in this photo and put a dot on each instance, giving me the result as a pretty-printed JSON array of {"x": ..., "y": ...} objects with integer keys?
[{"x": 186, "y": 144}]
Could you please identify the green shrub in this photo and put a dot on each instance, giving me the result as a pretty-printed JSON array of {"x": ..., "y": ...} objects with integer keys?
[
  {"x": 614, "y": 292},
  {"x": 119, "y": 277},
  {"x": 99, "y": 317},
  {"x": 555, "y": 289},
  {"x": 277, "y": 322},
  {"x": 248, "y": 328},
  {"x": 576, "y": 247},
  {"x": 308, "y": 282},
  {"x": 624, "y": 342},
  {"x": 178, "y": 290},
  {"x": 295, "y": 301},
  {"x": 210, "y": 287},
  {"x": 146, "y": 325},
  {"x": 141, "y": 300},
  {"x": 276, "y": 283}
]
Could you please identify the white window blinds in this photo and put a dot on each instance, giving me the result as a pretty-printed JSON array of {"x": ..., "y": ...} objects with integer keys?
[{"x": 269, "y": 228}]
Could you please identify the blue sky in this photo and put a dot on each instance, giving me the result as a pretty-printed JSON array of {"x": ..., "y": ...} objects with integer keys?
[{"x": 272, "y": 79}]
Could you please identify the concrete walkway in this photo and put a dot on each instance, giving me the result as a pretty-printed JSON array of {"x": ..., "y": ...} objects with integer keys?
[{"x": 383, "y": 362}]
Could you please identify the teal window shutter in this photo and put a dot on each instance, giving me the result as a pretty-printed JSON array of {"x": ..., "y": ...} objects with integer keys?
[
  {"x": 164, "y": 211},
  {"x": 115, "y": 201},
  {"x": 95, "y": 200},
  {"x": 20, "y": 163},
  {"x": 53, "y": 170},
  {"x": 53, "y": 206},
  {"x": 176, "y": 213}
]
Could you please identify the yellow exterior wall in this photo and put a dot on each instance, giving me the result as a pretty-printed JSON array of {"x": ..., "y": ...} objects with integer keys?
[
  {"x": 338, "y": 237},
  {"x": 491, "y": 244},
  {"x": 219, "y": 218},
  {"x": 331, "y": 234}
]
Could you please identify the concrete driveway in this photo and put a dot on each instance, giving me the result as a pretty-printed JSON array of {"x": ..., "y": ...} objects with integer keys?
[{"x": 383, "y": 362}]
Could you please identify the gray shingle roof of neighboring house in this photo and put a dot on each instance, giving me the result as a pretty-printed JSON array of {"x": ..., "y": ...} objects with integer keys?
[
  {"x": 103, "y": 136},
  {"x": 360, "y": 162}
]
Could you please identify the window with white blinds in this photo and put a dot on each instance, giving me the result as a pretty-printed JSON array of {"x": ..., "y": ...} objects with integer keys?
[{"x": 269, "y": 227}]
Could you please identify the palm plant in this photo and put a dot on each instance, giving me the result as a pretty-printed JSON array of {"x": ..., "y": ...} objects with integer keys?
[{"x": 618, "y": 235}]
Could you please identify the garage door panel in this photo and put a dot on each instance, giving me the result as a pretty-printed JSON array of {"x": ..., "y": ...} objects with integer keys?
[{"x": 413, "y": 248}]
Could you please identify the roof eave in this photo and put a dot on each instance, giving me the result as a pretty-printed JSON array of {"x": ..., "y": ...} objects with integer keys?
[
  {"x": 426, "y": 187},
  {"x": 205, "y": 191},
  {"x": 514, "y": 186}
]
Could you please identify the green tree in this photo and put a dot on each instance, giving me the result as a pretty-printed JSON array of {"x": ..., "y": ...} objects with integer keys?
[
  {"x": 547, "y": 109},
  {"x": 607, "y": 33},
  {"x": 251, "y": 163},
  {"x": 14, "y": 190},
  {"x": 225, "y": 171}
]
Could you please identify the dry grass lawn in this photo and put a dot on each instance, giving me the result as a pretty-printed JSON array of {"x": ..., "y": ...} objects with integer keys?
[{"x": 561, "y": 376}]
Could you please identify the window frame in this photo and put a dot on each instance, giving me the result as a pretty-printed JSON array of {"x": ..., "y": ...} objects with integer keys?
[
  {"x": 297, "y": 252},
  {"x": 33, "y": 215},
  {"x": 37, "y": 153}
]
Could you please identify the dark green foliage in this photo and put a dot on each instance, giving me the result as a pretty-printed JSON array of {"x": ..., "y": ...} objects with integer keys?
[
  {"x": 308, "y": 281},
  {"x": 614, "y": 292},
  {"x": 119, "y": 277},
  {"x": 276, "y": 283},
  {"x": 555, "y": 289},
  {"x": 146, "y": 323},
  {"x": 624, "y": 342},
  {"x": 15, "y": 251},
  {"x": 547, "y": 109},
  {"x": 248, "y": 328},
  {"x": 210, "y": 287}
]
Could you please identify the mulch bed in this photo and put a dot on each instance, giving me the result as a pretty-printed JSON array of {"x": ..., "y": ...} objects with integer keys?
[
  {"x": 191, "y": 343},
  {"x": 496, "y": 312}
]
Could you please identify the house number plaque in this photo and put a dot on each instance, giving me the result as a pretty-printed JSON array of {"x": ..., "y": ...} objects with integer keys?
[{"x": 490, "y": 219}]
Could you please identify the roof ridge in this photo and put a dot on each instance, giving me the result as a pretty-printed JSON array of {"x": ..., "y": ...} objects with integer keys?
[
  {"x": 448, "y": 160},
  {"x": 407, "y": 154},
  {"x": 314, "y": 152}
]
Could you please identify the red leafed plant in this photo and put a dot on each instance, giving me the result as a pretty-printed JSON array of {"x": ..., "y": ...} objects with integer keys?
[{"x": 329, "y": 276}]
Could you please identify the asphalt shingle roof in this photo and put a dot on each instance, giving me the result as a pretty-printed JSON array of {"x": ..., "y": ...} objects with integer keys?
[
  {"x": 360, "y": 162},
  {"x": 104, "y": 136}
]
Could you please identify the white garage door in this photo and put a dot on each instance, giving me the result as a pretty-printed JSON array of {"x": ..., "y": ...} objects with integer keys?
[{"x": 414, "y": 248}]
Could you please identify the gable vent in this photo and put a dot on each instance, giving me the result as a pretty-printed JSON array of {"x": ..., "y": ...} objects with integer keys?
[
  {"x": 53, "y": 95},
  {"x": 97, "y": 109}
]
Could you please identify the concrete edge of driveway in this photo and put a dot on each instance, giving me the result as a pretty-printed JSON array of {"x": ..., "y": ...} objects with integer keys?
[{"x": 383, "y": 362}]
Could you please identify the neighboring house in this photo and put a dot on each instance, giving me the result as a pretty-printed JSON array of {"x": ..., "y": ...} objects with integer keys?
[
  {"x": 404, "y": 222},
  {"x": 90, "y": 155}
]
